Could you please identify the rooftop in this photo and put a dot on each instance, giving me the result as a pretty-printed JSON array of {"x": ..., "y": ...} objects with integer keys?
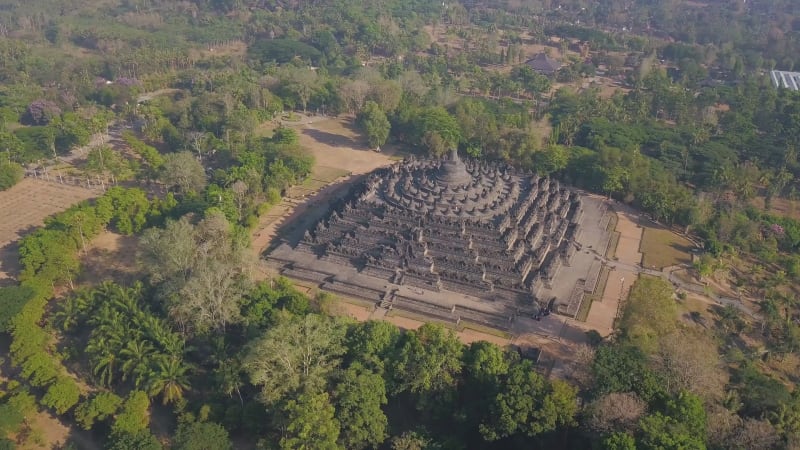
[
  {"x": 788, "y": 80},
  {"x": 543, "y": 63}
]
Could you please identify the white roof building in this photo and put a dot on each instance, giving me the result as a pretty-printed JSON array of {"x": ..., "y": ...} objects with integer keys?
[{"x": 788, "y": 80}]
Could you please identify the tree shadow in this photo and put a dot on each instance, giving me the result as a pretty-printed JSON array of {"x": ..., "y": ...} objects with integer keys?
[
  {"x": 683, "y": 249},
  {"x": 10, "y": 266},
  {"x": 86, "y": 440},
  {"x": 334, "y": 140},
  {"x": 697, "y": 318}
]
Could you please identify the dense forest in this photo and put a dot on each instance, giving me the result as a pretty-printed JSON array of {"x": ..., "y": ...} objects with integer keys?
[{"x": 195, "y": 352}]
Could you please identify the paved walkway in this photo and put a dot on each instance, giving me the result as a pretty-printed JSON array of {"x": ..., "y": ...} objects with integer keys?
[{"x": 625, "y": 268}]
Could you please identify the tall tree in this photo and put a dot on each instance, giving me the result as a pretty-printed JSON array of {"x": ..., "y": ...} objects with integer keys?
[
  {"x": 529, "y": 405},
  {"x": 370, "y": 343},
  {"x": 296, "y": 354},
  {"x": 358, "y": 398},
  {"x": 183, "y": 171},
  {"x": 373, "y": 121},
  {"x": 311, "y": 423},
  {"x": 201, "y": 271},
  {"x": 169, "y": 379},
  {"x": 134, "y": 415},
  {"x": 428, "y": 363},
  {"x": 194, "y": 435}
]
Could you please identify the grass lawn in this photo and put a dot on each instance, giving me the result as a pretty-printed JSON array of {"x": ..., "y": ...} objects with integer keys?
[
  {"x": 662, "y": 247},
  {"x": 327, "y": 174}
]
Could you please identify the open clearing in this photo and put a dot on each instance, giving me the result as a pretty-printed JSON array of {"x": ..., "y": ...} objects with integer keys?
[
  {"x": 23, "y": 208},
  {"x": 110, "y": 256},
  {"x": 662, "y": 248},
  {"x": 779, "y": 206},
  {"x": 335, "y": 143}
]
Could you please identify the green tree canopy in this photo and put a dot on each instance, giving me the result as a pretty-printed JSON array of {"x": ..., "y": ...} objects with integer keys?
[
  {"x": 296, "y": 354},
  {"x": 529, "y": 405},
  {"x": 183, "y": 171},
  {"x": 427, "y": 363},
  {"x": 12, "y": 299},
  {"x": 11, "y": 173},
  {"x": 437, "y": 130},
  {"x": 311, "y": 423},
  {"x": 98, "y": 408},
  {"x": 201, "y": 436},
  {"x": 62, "y": 395},
  {"x": 373, "y": 121},
  {"x": 134, "y": 417},
  {"x": 371, "y": 343},
  {"x": 358, "y": 398}
]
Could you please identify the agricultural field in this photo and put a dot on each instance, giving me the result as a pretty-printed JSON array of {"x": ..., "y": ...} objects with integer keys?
[{"x": 24, "y": 207}]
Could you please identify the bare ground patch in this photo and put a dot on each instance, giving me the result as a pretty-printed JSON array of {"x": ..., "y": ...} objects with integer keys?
[
  {"x": 110, "y": 256},
  {"x": 335, "y": 143},
  {"x": 779, "y": 206}
]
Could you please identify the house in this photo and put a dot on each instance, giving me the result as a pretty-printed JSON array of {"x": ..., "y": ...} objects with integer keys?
[{"x": 543, "y": 64}]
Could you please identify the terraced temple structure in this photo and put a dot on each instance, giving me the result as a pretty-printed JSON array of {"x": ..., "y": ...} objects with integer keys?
[{"x": 474, "y": 229}]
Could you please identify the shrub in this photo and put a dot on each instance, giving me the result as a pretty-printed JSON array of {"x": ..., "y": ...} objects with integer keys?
[
  {"x": 10, "y": 174},
  {"x": 40, "y": 112}
]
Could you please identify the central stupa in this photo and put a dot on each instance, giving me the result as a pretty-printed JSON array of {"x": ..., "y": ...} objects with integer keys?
[
  {"x": 453, "y": 172},
  {"x": 477, "y": 228}
]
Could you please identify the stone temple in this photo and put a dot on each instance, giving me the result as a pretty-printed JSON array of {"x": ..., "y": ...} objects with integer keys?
[{"x": 421, "y": 231}]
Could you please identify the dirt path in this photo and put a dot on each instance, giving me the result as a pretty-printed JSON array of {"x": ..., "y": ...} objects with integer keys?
[{"x": 363, "y": 313}]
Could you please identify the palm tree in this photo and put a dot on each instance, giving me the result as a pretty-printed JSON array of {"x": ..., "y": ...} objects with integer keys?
[
  {"x": 168, "y": 379},
  {"x": 126, "y": 300},
  {"x": 135, "y": 355},
  {"x": 71, "y": 311},
  {"x": 105, "y": 368},
  {"x": 159, "y": 333}
]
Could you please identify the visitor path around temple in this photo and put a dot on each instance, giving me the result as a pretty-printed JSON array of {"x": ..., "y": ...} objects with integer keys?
[{"x": 624, "y": 270}]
